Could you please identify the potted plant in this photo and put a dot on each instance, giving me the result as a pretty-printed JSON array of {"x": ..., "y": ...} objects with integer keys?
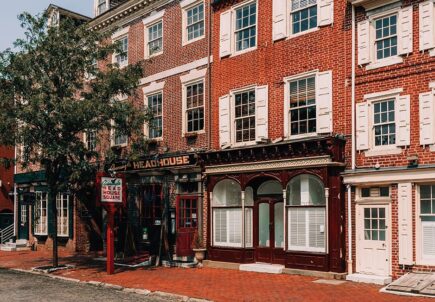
[{"x": 198, "y": 247}]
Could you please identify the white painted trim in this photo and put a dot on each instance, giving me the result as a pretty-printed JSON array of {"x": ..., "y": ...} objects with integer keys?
[
  {"x": 149, "y": 24},
  {"x": 383, "y": 94},
  {"x": 153, "y": 17},
  {"x": 418, "y": 231},
  {"x": 432, "y": 85},
  {"x": 121, "y": 32},
  {"x": 193, "y": 75},
  {"x": 174, "y": 71},
  {"x": 388, "y": 177},
  {"x": 146, "y": 95},
  {"x": 386, "y": 62},
  {"x": 375, "y": 151},
  {"x": 185, "y": 3},
  {"x": 153, "y": 87},
  {"x": 185, "y": 6}
]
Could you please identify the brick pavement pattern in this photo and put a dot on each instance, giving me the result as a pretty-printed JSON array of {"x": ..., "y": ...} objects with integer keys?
[{"x": 210, "y": 283}]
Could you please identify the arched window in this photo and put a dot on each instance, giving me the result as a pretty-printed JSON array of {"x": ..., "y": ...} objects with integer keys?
[
  {"x": 270, "y": 187},
  {"x": 306, "y": 212},
  {"x": 227, "y": 214}
]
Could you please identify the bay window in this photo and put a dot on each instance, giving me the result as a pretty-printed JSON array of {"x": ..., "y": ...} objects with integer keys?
[{"x": 306, "y": 214}]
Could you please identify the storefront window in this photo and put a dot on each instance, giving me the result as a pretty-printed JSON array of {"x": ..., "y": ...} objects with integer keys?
[
  {"x": 227, "y": 214},
  {"x": 306, "y": 209}
]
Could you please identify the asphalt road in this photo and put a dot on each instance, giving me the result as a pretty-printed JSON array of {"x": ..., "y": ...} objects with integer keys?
[{"x": 19, "y": 286}]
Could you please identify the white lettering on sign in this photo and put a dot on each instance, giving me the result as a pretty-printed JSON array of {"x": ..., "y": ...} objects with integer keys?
[{"x": 111, "y": 189}]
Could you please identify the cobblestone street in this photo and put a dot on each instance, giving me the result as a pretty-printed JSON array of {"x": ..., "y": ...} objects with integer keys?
[{"x": 18, "y": 286}]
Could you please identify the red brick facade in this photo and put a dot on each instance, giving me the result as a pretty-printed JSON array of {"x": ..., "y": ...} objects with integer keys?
[{"x": 7, "y": 183}]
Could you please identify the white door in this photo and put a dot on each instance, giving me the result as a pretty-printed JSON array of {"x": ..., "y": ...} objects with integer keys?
[{"x": 373, "y": 250}]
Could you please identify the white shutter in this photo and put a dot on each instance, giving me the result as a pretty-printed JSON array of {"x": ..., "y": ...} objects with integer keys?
[
  {"x": 426, "y": 25},
  {"x": 405, "y": 30},
  {"x": 261, "y": 113},
  {"x": 363, "y": 42},
  {"x": 225, "y": 34},
  {"x": 426, "y": 118},
  {"x": 279, "y": 21},
  {"x": 324, "y": 102},
  {"x": 224, "y": 121},
  {"x": 325, "y": 10},
  {"x": 403, "y": 121},
  {"x": 362, "y": 126},
  {"x": 405, "y": 223},
  {"x": 428, "y": 242}
]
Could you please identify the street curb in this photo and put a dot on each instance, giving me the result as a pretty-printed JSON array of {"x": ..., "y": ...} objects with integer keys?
[{"x": 139, "y": 291}]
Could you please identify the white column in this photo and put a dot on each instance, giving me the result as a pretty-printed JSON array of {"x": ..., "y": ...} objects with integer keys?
[
  {"x": 349, "y": 229},
  {"x": 284, "y": 198},
  {"x": 327, "y": 219},
  {"x": 243, "y": 219},
  {"x": 211, "y": 218}
]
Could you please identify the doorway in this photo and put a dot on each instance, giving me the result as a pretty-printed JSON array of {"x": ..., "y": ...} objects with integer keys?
[
  {"x": 187, "y": 224},
  {"x": 269, "y": 231}
]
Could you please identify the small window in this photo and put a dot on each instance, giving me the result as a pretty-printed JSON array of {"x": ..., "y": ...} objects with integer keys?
[
  {"x": 386, "y": 37},
  {"x": 195, "y": 107},
  {"x": 384, "y": 123},
  {"x": 246, "y": 27},
  {"x": 303, "y": 106},
  {"x": 375, "y": 192},
  {"x": 101, "y": 7},
  {"x": 122, "y": 58},
  {"x": 304, "y": 15},
  {"x": 155, "y": 38},
  {"x": 156, "y": 123},
  {"x": 195, "y": 22},
  {"x": 245, "y": 116}
]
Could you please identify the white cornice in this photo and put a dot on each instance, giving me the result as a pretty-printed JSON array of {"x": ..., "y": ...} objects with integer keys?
[{"x": 391, "y": 176}]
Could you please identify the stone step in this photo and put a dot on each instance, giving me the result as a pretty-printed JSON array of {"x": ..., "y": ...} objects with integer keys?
[
  {"x": 7, "y": 248},
  {"x": 262, "y": 268},
  {"x": 366, "y": 278}
]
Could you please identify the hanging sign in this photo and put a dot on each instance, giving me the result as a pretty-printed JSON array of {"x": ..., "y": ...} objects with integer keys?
[{"x": 111, "y": 189}]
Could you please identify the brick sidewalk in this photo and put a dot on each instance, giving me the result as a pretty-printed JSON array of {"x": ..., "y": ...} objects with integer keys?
[{"x": 208, "y": 283}]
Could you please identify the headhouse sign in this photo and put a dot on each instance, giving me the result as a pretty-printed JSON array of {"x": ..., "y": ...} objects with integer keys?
[
  {"x": 111, "y": 190},
  {"x": 156, "y": 162}
]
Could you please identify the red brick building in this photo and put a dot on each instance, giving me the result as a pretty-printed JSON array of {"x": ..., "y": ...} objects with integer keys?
[
  {"x": 6, "y": 190},
  {"x": 391, "y": 176},
  {"x": 170, "y": 38},
  {"x": 279, "y": 89}
]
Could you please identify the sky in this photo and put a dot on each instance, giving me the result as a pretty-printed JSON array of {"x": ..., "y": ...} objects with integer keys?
[{"x": 10, "y": 28}]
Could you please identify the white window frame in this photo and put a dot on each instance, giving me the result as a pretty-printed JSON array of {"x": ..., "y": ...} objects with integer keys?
[
  {"x": 185, "y": 109},
  {"x": 116, "y": 55},
  {"x": 233, "y": 27},
  {"x": 86, "y": 141},
  {"x": 374, "y": 98},
  {"x": 62, "y": 202},
  {"x": 38, "y": 226},
  {"x": 233, "y": 115},
  {"x": 374, "y": 62},
  {"x": 23, "y": 214},
  {"x": 287, "y": 119},
  {"x": 147, "y": 128},
  {"x": 227, "y": 243},
  {"x": 112, "y": 137},
  {"x": 187, "y": 5},
  {"x": 195, "y": 76},
  {"x": 290, "y": 21},
  {"x": 96, "y": 7},
  {"x": 148, "y": 22},
  {"x": 420, "y": 259}
]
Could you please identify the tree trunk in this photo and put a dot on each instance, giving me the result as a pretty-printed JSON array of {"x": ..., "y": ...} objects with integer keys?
[{"x": 53, "y": 208}]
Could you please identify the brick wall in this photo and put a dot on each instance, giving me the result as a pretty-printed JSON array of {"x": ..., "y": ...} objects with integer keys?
[{"x": 7, "y": 179}]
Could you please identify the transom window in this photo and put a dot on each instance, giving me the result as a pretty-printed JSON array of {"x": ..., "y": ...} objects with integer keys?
[
  {"x": 246, "y": 26},
  {"x": 155, "y": 107},
  {"x": 122, "y": 58},
  {"x": 195, "y": 22},
  {"x": 195, "y": 106},
  {"x": 304, "y": 15},
  {"x": 303, "y": 106},
  {"x": 374, "y": 224},
  {"x": 245, "y": 116},
  {"x": 41, "y": 222},
  {"x": 384, "y": 123},
  {"x": 386, "y": 37},
  {"x": 62, "y": 204},
  {"x": 155, "y": 38}
]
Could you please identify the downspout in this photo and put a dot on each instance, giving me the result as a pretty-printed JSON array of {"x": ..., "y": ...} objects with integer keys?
[
  {"x": 349, "y": 187},
  {"x": 209, "y": 76}
]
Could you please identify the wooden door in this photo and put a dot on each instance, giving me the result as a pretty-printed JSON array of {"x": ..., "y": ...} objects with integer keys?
[
  {"x": 372, "y": 240},
  {"x": 269, "y": 226},
  {"x": 187, "y": 224}
]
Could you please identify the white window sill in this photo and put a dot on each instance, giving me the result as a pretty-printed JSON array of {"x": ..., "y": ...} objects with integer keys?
[
  {"x": 301, "y": 136},
  {"x": 41, "y": 234},
  {"x": 303, "y": 33},
  {"x": 241, "y": 52},
  {"x": 244, "y": 144},
  {"x": 425, "y": 262},
  {"x": 431, "y": 148},
  {"x": 384, "y": 63},
  {"x": 156, "y": 54},
  {"x": 187, "y": 42},
  {"x": 432, "y": 52},
  {"x": 305, "y": 249},
  {"x": 391, "y": 150},
  {"x": 120, "y": 145},
  {"x": 156, "y": 139},
  {"x": 193, "y": 133}
]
